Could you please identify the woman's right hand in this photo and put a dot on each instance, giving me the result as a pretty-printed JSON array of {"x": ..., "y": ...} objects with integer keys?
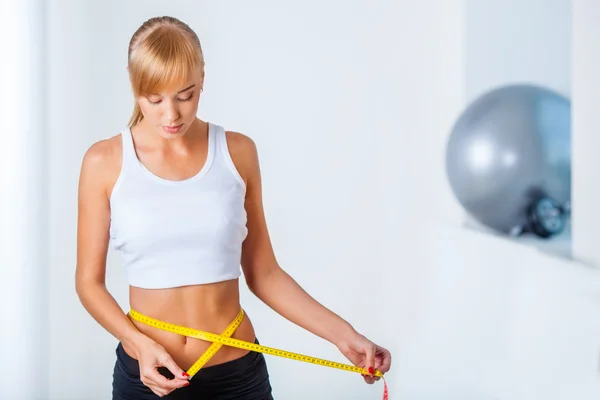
[{"x": 151, "y": 356}]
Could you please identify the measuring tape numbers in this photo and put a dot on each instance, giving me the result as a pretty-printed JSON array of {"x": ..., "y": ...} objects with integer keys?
[{"x": 225, "y": 339}]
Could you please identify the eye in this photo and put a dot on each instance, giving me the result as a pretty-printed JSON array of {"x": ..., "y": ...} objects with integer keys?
[
  {"x": 154, "y": 102},
  {"x": 188, "y": 98},
  {"x": 157, "y": 102}
]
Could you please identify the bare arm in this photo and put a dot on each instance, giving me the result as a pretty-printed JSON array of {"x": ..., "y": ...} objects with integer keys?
[
  {"x": 276, "y": 288},
  {"x": 92, "y": 244},
  {"x": 282, "y": 293},
  {"x": 265, "y": 278},
  {"x": 271, "y": 284}
]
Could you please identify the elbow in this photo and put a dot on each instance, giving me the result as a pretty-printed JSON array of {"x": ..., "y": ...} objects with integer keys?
[
  {"x": 251, "y": 282},
  {"x": 81, "y": 288},
  {"x": 260, "y": 279},
  {"x": 88, "y": 292},
  {"x": 84, "y": 285}
]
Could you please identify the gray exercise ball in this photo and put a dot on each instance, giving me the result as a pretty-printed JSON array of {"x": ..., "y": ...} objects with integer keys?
[{"x": 511, "y": 146}]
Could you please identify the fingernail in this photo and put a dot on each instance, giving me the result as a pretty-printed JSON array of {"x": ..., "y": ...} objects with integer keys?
[
  {"x": 371, "y": 370},
  {"x": 185, "y": 374},
  {"x": 185, "y": 384}
]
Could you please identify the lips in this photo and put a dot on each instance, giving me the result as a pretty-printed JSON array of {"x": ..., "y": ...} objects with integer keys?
[{"x": 172, "y": 129}]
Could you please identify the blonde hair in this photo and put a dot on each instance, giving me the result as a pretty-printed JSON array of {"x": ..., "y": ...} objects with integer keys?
[{"x": 163, "y": 52}]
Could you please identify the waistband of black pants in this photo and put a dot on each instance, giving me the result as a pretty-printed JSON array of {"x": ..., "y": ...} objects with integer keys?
[{"x": 208, "y": 372}]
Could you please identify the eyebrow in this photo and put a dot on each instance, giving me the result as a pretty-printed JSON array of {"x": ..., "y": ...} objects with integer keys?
[
  {"x": 186, "y": 89},
  {"x": 181, "y": 91}
]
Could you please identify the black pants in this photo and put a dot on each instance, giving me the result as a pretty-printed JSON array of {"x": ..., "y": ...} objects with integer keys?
[{"x": 245, "y": 378}]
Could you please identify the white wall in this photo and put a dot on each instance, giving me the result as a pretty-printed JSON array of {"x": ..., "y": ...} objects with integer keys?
[
  {"x": 348, "y": 103},
  {"x": 23, "y": 201},
  {"x": 517, "y": 41},
  {"x": 586, "y": 124}
]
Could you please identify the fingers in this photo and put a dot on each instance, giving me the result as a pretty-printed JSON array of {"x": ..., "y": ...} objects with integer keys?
[
  {"x": 370, "y": 379},
  {"x": 159, "y": 391},
  {"x": 386, "y": 360},
  {"x": 152, "y": 356},
  {"x": 177, "y": 372},
  {"x": 149, "y": 379},
  {"x": 171, "y": 384},
  {"x": 370, "y": 364},
  {"x": 160, "y": 384},
  {"x": 377, "y": 367},
  {"x": 380, "y": 359},
  {"x": 370, "y": 359}
]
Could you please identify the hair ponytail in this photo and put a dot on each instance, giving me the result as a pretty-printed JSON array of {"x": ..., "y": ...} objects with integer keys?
[{"x": 136, "y": 116}]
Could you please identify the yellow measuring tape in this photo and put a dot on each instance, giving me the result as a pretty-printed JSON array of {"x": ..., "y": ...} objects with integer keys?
[{"x": 225, "y": 339}]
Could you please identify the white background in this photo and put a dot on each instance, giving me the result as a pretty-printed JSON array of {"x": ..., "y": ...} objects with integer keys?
[{"x": 350, "y": 104}]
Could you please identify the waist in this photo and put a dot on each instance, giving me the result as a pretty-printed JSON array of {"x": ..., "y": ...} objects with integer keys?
[
  {"x": 205, "y": 305},
  {"x": 209, "y": 307}
]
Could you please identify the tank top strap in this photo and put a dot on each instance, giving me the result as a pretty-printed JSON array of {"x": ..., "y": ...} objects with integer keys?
[
  {"x": 224, "y": 154},
  {"x": 219, "y": 137},
  {"x": 128, "y": 147}
]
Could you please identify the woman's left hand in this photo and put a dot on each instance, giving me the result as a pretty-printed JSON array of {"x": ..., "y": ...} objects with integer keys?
[{"x": 366, "y": 354}]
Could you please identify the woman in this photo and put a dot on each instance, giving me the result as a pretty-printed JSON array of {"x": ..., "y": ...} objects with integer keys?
[{"x": 180, "y": 198}]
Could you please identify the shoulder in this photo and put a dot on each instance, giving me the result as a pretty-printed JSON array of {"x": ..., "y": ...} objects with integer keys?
[
  {"x": 103, "y": 152},
  {"x": 101, "y": 163},
  {"x": 243, "y": 152},
  {"x": 240, "y": 145}
]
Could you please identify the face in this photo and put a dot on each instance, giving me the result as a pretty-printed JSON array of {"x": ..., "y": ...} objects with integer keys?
[{"x": 171, "y": 112}]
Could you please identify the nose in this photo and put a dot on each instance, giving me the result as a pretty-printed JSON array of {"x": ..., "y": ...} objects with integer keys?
[{"x": 172, "y": 113}]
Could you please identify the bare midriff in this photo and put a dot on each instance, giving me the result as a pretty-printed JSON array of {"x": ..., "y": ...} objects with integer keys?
[{"x": 208, "y": 307}]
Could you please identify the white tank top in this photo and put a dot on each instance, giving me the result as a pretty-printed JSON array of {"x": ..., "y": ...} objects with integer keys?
[{"x": 176, "y": 233}]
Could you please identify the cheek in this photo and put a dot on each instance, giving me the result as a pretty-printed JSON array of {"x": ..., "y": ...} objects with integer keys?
[
  {"x": 150, "y": 112},
  {"x": 189, "y": 108}
]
